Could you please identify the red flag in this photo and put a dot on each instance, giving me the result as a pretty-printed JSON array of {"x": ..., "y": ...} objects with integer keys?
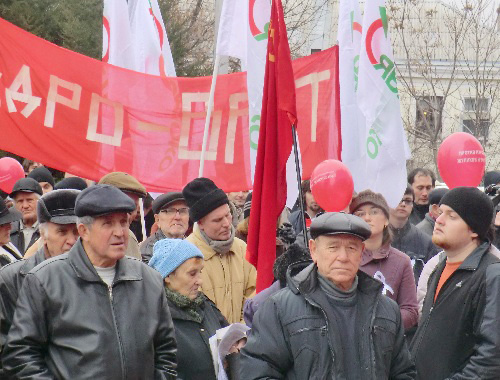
[{"x": 275, "y": 144}]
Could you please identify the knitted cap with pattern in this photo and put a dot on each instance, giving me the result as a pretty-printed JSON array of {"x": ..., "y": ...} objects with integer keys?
[{"x": 169, "y": 254}]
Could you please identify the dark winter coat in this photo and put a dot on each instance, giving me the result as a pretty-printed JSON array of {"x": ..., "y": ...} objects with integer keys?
[
  {"x": 427, "y": 225},
  {"x": 418, "y": 213},
  {"x": 458, "y": 336},
  {"x": 146, "y": 247},
  {"x": 194, "y": 360},
  {"x": 17, "y": 237},
  {"x": 293, "y": 338},
  {"x": 417, "y": 245},
  {"x": 69, "y": 324}
]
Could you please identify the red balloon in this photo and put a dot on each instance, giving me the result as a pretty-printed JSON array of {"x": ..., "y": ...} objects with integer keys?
[
  {"x": 332, "y": 185},
  {"x": 10, "y": 172},
  {"x": 461, "y": 160}
]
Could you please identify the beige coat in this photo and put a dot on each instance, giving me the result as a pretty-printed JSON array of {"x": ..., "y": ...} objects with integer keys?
[{"x": 228, "y": 280}]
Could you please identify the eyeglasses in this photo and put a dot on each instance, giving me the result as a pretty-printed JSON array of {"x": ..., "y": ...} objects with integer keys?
[
  {"x": 406, "y": 201},
  {"x": 171, "y": 211},
  {"x": 372, "y": 212}
]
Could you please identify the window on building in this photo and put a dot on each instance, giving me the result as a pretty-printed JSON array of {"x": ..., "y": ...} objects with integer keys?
[
  {"x": 476, "y": 117},
  {"x": 428, "y": 115},
  {"x": 315, "y": 51}
]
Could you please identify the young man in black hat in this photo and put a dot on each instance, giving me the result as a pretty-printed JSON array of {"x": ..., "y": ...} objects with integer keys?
[
  {"x": 228, "y": 279},
  {"x": 44, "y": 177},
  {"x": 8, "y": 251},
  {"x": 25, "y": 194},
  {"x": 56, "y": 214},
  {"x": 458, "y": 336},
  {"x": 93, "y": 313},
  {"x": 172, "y": 216},
  {"x": 331, "y": 321}
]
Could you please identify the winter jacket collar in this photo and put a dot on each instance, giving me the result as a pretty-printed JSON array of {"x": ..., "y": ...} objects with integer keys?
[
  {"x": 399, "y": 232},
  {"x": 32, "y": 262},
  {"x": 472, "y": 261},
  {"x": 379, "y": 254},
  {"x": 307, "y": 281},
  {"x": 84, "y": 269}
]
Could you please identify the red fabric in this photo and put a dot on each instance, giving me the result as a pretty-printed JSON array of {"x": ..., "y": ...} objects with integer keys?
[
  {"x": 275, "y": 144},
  {"x": 162, "y": 118}
]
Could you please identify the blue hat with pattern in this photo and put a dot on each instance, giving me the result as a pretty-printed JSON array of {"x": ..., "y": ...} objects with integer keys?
[{"x": 169, "y": 254}]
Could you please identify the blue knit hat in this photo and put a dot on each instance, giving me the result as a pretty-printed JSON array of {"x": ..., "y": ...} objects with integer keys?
[{"x": 169, "y": 254}]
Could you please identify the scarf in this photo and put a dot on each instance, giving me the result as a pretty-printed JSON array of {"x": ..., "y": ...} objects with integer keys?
[
  {"x": 219, "y": 246},
  {"x": 191, "y": 307}
]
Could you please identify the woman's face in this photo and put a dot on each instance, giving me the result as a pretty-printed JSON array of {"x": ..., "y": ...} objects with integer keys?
[
  {"x": 186, "y": 279},
  {"x": 375, "y": 217}
]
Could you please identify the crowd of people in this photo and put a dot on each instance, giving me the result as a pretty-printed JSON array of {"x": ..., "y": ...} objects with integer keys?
[{"x": 90, "y": 289}]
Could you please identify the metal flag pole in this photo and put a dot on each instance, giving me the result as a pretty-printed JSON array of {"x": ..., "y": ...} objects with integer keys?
[
  {"x": 299, "y": 182},
  {"x": 209, "y": 115}
]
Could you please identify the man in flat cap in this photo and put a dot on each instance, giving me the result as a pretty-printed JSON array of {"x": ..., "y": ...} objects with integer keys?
[
  {"x": 93, "y": 313},
  {"x": 56, "y": 215},
  {"x": 135, "y": 191},
  {"x": 228, "y": 279},
  {"x": 331, "y": 321},
  {"x": 44, "y": 177},
  {"x": 8, "y": 251},
  {"x": 172, "y": 216},
  {"x": 458, "y": 336},
  {"x": 24, "y": 233}
]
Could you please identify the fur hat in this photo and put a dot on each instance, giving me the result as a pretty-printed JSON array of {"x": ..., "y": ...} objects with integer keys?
[{"x": 368, "y": 196}]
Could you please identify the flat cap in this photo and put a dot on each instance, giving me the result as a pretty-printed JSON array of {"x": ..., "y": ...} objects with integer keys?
[
  {"x": 338, "y": 223},
  {"x": 26, "y": 185},
  {"x": 42, "y": 174},
  {"x": 125, "y": 182},
  {"x": 57, "y": 206},
  {"x": 99, "y": 200},
  {"x": 8, "y": 215},
  {"x": 165, "y": 199}
]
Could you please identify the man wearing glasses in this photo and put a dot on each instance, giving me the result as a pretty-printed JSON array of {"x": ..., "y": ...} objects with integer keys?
[
  {"x": 409, "y": 239},
  {"x": 172, "y": 216}
]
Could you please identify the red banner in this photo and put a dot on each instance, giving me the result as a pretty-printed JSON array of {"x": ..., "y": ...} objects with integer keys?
[{"x": 86, "y": 117}]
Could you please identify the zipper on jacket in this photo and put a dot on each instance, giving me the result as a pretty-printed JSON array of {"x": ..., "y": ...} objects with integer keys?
[
  {"x": 120, "y": 346},
  {"x": 423, "y": 331},
  {"x": 372, "y": 322}
]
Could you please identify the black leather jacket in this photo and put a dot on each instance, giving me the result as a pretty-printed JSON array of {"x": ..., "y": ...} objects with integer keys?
[
  {"x": 69, "y": 325},
  {"x": 293, "y": 338}
]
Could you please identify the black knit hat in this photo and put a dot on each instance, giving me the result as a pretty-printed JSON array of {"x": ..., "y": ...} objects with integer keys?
[
  {"x": 202, "y": 197},
  {"x": 473, "y": 206},
  {"x": 247, "y": 206},
  {"x": 75, "y": 183},
  {"x": 42, "y": 174},
  {"x": 436, "y": 195},
  {"x": 491, "y": 178}
]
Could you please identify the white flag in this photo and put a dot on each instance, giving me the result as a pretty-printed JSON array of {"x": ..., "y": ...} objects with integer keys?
[
  {"x": 117, "y": 46},
  {"x": 352, "y": 120},
  {"x": 231, "y": 36},
  {"x": 377, "y": 95},
  {"x": 149, "y": 36}
]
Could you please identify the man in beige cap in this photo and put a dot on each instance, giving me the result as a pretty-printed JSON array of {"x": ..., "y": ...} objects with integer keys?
[{"x": 133, "y": 188}]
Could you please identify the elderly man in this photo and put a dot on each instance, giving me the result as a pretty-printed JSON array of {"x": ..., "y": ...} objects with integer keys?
[
  {"x": 135, "y": 191},
  {"x": 332, "y": 321},
  {"x": 93, "y": 313},
  {"x": 228, "y": 279},
  {"x": 56, "y": 215},
  {"x": 8, "y": 251},
  {"x": 458, "y": 336},
  {"x": 172, "y": 216},
  {"x": 24, "y": 233}
]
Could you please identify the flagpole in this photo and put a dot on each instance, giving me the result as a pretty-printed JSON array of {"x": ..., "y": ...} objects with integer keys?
[
  {"x": 299, "y": 182},
  {"x": 143, "y": 221},
  {"x": 209, "y": 115}
]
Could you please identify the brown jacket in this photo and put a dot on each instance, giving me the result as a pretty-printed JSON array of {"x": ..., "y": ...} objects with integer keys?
[{"x": 228, "y": 280}]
